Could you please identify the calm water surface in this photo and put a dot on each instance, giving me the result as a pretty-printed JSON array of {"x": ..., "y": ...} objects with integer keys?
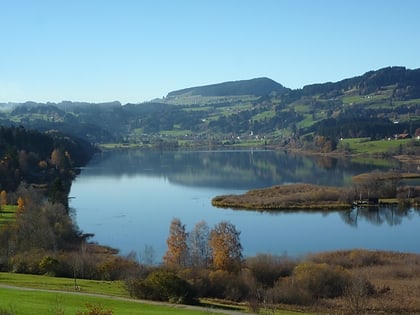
[{"x": 128, "y": 198}]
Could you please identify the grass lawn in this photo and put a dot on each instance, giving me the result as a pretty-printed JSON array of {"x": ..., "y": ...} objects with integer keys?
[
  {"x": 7, "y": 213},
  {"x": 42, "y": 302},
  {"x": 64, "y": 284},
  {"x": 38, "y": 297},
  {"x": 363, "y": 146}
]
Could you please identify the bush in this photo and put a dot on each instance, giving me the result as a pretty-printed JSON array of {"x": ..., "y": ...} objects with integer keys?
[
  {"x": 356, "y": 294},
  {"x": 48, "y": 265},
  {"x": 226, "y": 285},
  {"x": 95, "y": 310},
  {"x": 267, "y": 269},
  {"x": 164, "y": 286},
  {"x": 27, "y": 262},
  {"x": 286, "y": 291},
  {"x": 321, "y": 280}
]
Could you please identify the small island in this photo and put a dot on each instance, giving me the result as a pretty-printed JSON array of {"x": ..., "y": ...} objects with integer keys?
[
  {"x": 288, "y": 197},
  {"x": 370, "y": 189}
]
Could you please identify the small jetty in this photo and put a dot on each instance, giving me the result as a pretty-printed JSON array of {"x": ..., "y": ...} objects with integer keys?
[{"x": 375, "y": 203}]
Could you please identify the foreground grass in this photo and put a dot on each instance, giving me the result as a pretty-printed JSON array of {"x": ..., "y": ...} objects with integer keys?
[
  {"x": 50, "y": 295},
  {"x": 43, "y": 302},
  {"x": 115, "y": 288}
]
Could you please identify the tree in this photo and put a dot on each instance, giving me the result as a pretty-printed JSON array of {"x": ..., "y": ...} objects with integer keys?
[
  {"x": 226, "y": 247},
  {"x": 177, "y": 253},
  {"x": 3, "y": 198},
  {"x": 57, "y": 158},
  {"x": 200, "y": 252},
  {"x": 20, "y": 203}
]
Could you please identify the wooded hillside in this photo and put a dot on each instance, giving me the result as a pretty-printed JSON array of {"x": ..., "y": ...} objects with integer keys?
[{"x": 381, "y": 104}]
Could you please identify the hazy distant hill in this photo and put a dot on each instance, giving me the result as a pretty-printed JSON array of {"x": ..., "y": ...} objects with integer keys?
[{"x": 256, "y": 87}]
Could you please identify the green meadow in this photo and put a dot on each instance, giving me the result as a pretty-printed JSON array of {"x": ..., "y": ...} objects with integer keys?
[
  {"x": 44, "y": 295},
  {"x": 44, "y": 302},
  {"x": 365, "y": 146},
  {"x": 7, "y": 213}
]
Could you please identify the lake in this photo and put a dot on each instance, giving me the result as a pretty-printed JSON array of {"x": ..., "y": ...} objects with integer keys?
[{"x": 128, "y": 199}]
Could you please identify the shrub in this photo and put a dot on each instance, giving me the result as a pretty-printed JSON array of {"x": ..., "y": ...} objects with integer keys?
[
  {"x": 95, "y": 310},
  {"x": 27, "y": 262},
  {"x": 286, "y": 291},
  {"x": 321, "y": 280},
  {"x": 356, "y": 294},
  {"x": 164, "y": 286},
  {"x": 267, "y": 269},
  {"x": 227, "y": 285},
  {"x": 48, "y": 265}
]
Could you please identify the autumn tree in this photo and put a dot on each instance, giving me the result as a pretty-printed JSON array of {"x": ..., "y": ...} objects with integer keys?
[
  {"x": 177, "y": 252},
  {"x": 3, "y": 198},
  {"x": 57, "y": 158},
  {"x": 61, "y": 159},
  {"x": 200, "y": 252},
  {"x": 20, "y": 203},
  {"x": 226, "y": 247}
]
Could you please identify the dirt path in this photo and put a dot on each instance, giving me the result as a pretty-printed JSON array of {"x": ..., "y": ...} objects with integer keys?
[{"x": 119, "y": 298}]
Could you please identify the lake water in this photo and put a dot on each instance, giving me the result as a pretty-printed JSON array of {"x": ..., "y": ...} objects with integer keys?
[{"x": 128, "y": 199}]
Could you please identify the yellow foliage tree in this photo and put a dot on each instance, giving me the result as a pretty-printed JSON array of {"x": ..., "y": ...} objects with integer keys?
[
  {"x": 226, "y": 247},
  {"x": 21, "y": 203},
  {"x": 177, "y": 253},
  {"x": 3, "y": 198},
  {"x": 57, "y": 157}
]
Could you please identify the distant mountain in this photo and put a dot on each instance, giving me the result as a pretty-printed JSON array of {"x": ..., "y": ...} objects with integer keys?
[
  {"x": 378, "y": 104},
  {"x": 257, "y": 87}
]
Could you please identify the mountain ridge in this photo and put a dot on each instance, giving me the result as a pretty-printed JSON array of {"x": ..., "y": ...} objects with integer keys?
[
  {"x": 256, "y": 86},
  {"x": 378, "y": 104}
]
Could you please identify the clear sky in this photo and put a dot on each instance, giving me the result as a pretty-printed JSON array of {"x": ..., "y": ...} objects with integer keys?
[{"x": 137, "y": 50}]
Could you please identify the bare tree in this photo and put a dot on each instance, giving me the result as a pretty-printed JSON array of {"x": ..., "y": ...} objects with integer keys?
[
  {"x": 200, "y": 252},
  {"x": 356, "y": 294}
]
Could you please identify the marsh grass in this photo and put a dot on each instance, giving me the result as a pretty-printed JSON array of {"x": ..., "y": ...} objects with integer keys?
[
  {"x": 395, "y": 278},
  {"x": 288, "y": 197}
]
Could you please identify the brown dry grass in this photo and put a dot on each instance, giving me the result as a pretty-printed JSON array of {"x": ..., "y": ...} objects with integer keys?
[
  {"x": 295, "y": 196},
  {"x": 395, "y": 277}
]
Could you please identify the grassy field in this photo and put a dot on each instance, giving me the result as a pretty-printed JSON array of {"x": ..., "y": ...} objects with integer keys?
[
  {"x": 50, "y": 295},
  {"x": 365, "y": 146},
  {"x": 43, "y": 302},
  {"x": 115, "y": 288},
  {"x": 7, "y": 213}
]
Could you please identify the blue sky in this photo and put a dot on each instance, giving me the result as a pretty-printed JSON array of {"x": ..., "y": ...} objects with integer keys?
[{"x": 134, "y": 50}]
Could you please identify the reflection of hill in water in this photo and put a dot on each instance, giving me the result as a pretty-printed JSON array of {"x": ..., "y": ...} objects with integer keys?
[{"x": 227, "y": 169}]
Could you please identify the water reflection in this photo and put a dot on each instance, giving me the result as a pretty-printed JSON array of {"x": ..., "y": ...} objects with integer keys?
[
  {"x": 378, "y": 215},
  {"x": 230, "y": 169}
]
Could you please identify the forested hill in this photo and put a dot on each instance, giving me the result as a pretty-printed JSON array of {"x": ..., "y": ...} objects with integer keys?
[
  {"x": 257, "y": 87},
  {"x": 39, "y": 158},
  {"x": 378, "y": 104},
  {"x": 405, "y": 84}
]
